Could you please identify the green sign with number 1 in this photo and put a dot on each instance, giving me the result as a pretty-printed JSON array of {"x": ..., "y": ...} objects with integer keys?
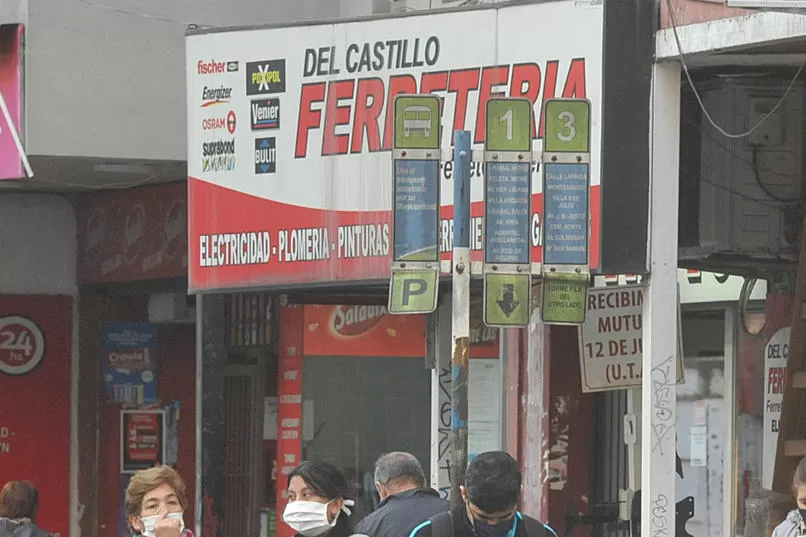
[
  {"x": 567, "y": 126},
  {"x": 509, "y": 125}
]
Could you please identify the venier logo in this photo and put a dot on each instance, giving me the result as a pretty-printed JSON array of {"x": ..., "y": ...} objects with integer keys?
[{"x": 265, "y": 114}]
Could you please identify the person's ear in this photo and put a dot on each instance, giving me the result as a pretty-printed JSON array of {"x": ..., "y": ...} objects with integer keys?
[
  {"x": 136, "y": 523},
  {"x": 463, "y": 490},
  {"x": 334, "y": 508}
]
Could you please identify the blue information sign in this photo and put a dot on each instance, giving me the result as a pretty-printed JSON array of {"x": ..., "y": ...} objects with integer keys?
[
  {"x": 416, "y": 210},
  {"x": 507, "y": 204},
  {"x": 565, "y": 202}
]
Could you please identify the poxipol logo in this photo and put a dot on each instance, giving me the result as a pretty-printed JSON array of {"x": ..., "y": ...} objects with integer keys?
[
  {"x": 22, "y": 345},
  {"x": 218, "y": 123},
  {"x": 218, "y": 156},
  {"x": 265, "y": 114},
  {"x": 265, "y": 155},
  {"x": 267, "y": 76},
  {"x": 211, "y": 67},
  {"x": 213, "y": 96}
]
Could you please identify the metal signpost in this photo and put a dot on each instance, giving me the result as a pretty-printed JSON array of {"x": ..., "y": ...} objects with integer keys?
[
  {"x": 566, "y": 188},
  {"x": 415, "y": 205},
  {"x": 507, "y": 212}
]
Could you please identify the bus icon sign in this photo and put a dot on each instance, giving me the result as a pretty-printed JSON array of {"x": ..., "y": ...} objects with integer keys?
[{"x": 417, "y": 122}]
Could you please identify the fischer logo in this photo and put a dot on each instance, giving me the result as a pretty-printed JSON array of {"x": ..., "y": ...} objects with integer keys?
[
  {"x": 22, "y": 345},
  {"x": 265, "y": 114},
  {"x": 94, "y": 237},
  {"x": 355, "y": 115},
  {"x": 213, "y": 96},
  {"x": 356, "y": 320},
  {"x": 232, "y": 67},
  {"x": 211, "y": 67}
]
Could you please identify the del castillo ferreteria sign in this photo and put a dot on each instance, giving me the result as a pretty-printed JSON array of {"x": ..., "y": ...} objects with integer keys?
[{"x": 305, "y": 196}]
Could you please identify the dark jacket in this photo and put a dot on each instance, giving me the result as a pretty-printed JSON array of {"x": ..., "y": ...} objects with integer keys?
[
  {"x": 462, "y": 527},
  {"x": 21, "y": 528},
  {"x": 399, "y": 514}
]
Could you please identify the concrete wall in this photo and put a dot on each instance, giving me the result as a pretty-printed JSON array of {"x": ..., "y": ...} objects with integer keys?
[
  {"x": 38, "y": 245},
  {"x": 102, "y": 83},
  {"x": 12, "y": 11}
]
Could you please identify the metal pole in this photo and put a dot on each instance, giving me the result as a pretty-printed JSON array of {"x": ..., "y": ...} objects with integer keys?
[
  {"x": 460, "y": 318},
  {"x": 659, "y": 375}
]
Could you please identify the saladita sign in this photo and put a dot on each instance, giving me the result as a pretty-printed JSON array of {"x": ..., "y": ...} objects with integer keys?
[{"x": 290, "y": 133}]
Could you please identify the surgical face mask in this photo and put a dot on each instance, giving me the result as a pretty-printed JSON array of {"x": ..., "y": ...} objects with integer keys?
[
  {"x": 150, "y": 521},
  {"x": 310, "y": 518}
]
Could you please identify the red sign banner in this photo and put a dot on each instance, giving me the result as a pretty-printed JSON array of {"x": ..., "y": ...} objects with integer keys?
[
  {"x": 372, "y": 331},
  {"x": 139, "y": 234},
  {"x": 35, "y": 373},
  {"x": 289, "y": 426}
]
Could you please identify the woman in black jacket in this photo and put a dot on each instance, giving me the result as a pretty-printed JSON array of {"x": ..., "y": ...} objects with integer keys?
[{"x": 318, "y": 501}]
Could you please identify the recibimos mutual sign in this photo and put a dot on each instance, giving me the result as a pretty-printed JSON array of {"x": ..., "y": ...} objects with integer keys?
[{"x": 290, "y": 131}]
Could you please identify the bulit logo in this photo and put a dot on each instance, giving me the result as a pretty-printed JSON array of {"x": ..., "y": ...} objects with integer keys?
[{"x": 265, "y": 155}]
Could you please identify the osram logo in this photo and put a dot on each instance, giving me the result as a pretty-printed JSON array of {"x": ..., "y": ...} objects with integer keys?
[{"x": 356, "y": 320}]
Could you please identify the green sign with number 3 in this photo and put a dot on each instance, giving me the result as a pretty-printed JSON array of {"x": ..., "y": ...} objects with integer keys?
[
  {"x": 567, "y": 126},
  {"x": 509, "y": 125}
]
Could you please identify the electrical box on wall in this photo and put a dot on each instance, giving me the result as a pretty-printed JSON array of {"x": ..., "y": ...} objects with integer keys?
[{"x": 750, "y": 186}]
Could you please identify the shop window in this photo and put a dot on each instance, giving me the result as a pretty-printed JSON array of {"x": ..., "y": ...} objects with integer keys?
[{"x": 362, "y": 407}]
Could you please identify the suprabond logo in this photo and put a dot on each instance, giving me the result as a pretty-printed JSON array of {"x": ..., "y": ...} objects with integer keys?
[
  {"x": 218, "y": 156},
  {"x": 213, "y": 96}
]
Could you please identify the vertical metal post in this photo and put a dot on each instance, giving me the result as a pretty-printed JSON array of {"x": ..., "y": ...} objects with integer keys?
[
  {"x": 460, "y": 318},
  {"x": 659, "y": 376}
]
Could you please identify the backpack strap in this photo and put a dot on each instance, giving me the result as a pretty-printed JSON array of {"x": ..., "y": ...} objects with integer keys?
[
  {"x": 535, "y": 528},
  {"x": 442, "y": 525}
]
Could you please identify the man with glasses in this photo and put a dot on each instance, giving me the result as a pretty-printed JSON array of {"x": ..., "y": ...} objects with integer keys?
[{"x": 490, "y": 497}]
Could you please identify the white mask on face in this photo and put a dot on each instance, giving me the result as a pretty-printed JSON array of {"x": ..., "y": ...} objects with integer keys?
[
  {"x": 310, "y": 518},
  {"x": 150, "y": 521}
]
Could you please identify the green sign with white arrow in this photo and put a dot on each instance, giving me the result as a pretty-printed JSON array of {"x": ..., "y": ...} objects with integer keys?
[{"x": 507, "y": 299}]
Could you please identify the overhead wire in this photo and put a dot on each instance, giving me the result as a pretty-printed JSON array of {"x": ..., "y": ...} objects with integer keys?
[{"x": 696, "y": 92}]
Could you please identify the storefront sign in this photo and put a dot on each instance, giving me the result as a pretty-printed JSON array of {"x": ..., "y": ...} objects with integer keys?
[
  {"x": 371, "y": 331},
  {"x": 322, "y": 211},
  {"x": 289, "y": 441},
  {"x": 142, "y": 439},
  {"x": 129, "y": 362},
  {"x": 139, "y": 234},
  {"x": 611, "y": 342},
  {"x": 11, "y": 90},
  {"x": 35, "y": 400},
  {"x": 775, "y": 355}
]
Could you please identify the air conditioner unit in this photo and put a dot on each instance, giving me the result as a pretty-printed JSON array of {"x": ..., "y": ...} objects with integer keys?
[{"x": 750, "y": 187}]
